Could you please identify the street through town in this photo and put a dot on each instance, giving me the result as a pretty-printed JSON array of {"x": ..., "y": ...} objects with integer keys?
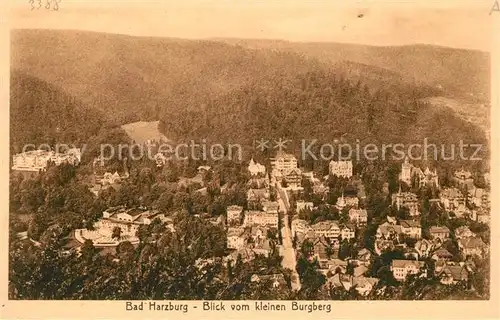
[{"x": 287, "y": 251}]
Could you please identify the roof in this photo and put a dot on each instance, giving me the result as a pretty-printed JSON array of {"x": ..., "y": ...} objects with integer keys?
[
  {"x": 384, "y": 229},
  {"x": 360, "y": 270},
  {"x": 438, "y": 229},
  {"x": 410, "y": 224},
  {"x": 260, "y": 193},
  {"x": 349, "y": 226},
  {"x": 472, "y": 243},
  {"x": 458, "y": 273},
  {"x": 284, "y": 155},
  {"x": 360, "y": 212},
  {"x": 451, "y": 193},
  {"x": 362, "y": 281},
  {"x": 462, "y": 230},
  {"x": 235, "y": 232},
  {"x": 403, "y": 263},
  {"x": 234, "y": 208},
  {"x": 325, "y": 225},
  {"x": 363, "y": 252},
  {"x": 442, "y": 253},
  {"x": 270, "y": 204}
]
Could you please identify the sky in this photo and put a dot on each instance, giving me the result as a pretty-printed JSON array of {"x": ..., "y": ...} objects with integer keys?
[{"x": 457, "y": 23}]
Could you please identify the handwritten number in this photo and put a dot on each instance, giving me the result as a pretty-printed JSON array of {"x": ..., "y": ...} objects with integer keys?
[{"x": 49, "y": 4}]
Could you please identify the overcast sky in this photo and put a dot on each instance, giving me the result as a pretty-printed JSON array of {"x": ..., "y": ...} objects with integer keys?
[{"x": 465, "y": 25}]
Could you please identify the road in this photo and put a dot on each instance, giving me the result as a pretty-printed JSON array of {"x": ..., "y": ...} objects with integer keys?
[{"x": 286, "y": 250}]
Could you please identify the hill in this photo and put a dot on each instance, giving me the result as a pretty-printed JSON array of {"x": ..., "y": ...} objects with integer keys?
[
  {"x": 137, "y": 78},
  {"x": 460, "y": 72},
  {"x": 43, "y": 113}
]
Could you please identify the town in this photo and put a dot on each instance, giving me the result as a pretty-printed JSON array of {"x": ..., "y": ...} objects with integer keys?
[{"x": 344, "y": 234}]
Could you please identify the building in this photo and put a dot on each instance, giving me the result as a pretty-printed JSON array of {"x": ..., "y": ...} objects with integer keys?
[
  {"x": 441, "y": 233},
  {"x": 358, "y": 216},
  {"x": 127, "y": 220},
  {"x": 463, "y": 178},
  {"x": 402, "y": 268},
  {"x": 442, "y": 254},
  {"x": 258, "y": 233},
  {"x": 341, "y": 203},
  {"x": 363, "y": 285},
  {"x": 234, "y": 214},
  {"x": 302, "y": 205},
  {"x": 235, "y": 238},
  {"x": 411, "y": 228},
  {"x": 464, "y": 232},
  {"x": 351, "y": 201},
  {"x": 257, "y": 196},
  {"x": 348, "y": 232},
  {"x": 451, "y": 199},
  {"x": 483, "y": 216},
  {"x": 321, "y": 249},
  {"x": 408, "y": 200},
  {"x": 453, "y": 274},
  {"x": 260, "y": 218},
  {"x": 479, "y": 197},
  {"x": 405, "y": 174},
  {"x": 284, "y": 162},
  {"x": 275, "y": 281},
  {"x": 256, "y": 169},
  {"x": 293, "y": 177},
  {"x": 426, "y": 178},
  {"x": 410, "y": 174},
  {"x": 472, "y": 246},
  {"x": 364, "y": 257},
  {"x": 36, "y": 161},
  {"x": 387, "y": 231},
  {"x": 271, "y": 207},
  {"x": 424, "y": 247},
  {"x": 341, "y": 168},
  {"x": 300, "y": 226},
  {"x": 327, "y": 229}
]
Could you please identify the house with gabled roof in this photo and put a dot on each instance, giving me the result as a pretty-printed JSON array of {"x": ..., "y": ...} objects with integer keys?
[
  {"x": 411, "y": 228},
  {"x": 463, "y": 232},
  {"x": 358, "y": 216},
  {"x": 439, "y": 232},
  {"x": 472, "y": 246},
  {"x": 452, "y": 274},
  {"x": 402, "y": 268}
]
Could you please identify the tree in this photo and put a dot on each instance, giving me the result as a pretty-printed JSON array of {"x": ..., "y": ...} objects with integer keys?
[{"x": 116, "y": 234}]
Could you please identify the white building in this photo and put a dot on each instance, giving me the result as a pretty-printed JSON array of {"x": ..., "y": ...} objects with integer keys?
[
  {"x": 284, "y": 162},
  {"x": 341, "y": 168},
  {"x": 271, "y": 207},
  {"x": 256, "y": 168},
  {"x": 411, "y": 228},
  {"x": 300, "y": 226},
  {"x": 234, "y": 214},
  {"x": 358, "y": 216},
  {"x": 402, "y": 268},
  {"x": 260, "y": 218},
  {"x": 38, "y": 160},
  {"x": 347, "y": 232},
  {"x": 328, "y": 229}
]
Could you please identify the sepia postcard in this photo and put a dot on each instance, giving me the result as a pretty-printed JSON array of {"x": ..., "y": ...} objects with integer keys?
[{"x": 247, "y": 158}]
